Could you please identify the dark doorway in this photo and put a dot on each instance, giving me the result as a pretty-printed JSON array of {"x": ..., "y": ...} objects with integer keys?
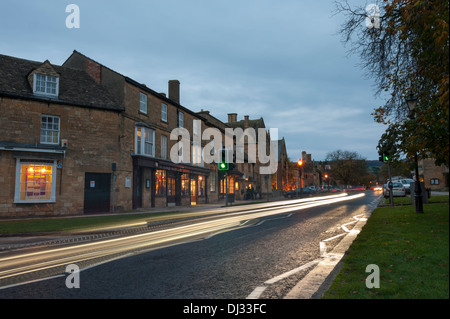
[
  {"x": 137, "y": 187},
  {"x": 97, "y": 192},
  {"x": 171, "y": 191}
]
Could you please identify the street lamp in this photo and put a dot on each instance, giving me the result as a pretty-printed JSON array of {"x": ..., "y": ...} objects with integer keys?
[
  {"x": 411, "y": 101},
  {"x": 300, "y": 171}
]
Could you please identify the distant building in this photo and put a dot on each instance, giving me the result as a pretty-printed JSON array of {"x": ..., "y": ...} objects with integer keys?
[
  {"x": 310, "y": 175},
  {"x": 260, "y": 183},
  {"x": 434, "y": 177},
  {"x": 281, "y": 177}
]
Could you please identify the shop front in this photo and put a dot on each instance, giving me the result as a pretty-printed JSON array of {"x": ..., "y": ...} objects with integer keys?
[{"x": 162, "y": 183}]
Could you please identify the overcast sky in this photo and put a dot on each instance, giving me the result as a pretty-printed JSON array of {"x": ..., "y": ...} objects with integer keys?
[{"x": 280, "y": 60}]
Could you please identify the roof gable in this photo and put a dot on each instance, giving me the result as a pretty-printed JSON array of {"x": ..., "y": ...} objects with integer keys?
[{"x": 76, "y": 87}]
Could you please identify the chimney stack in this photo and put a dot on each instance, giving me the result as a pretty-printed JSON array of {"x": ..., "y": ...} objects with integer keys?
[
  {"x": 232, "y": 117},
  {"x": 246, "y": 121},
  {"x": 174, "y": 91}
]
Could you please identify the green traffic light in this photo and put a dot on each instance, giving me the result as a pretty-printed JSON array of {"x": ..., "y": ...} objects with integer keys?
[
  {"x": 386, "y": 158},
  {"x": 223, "y": 165}
]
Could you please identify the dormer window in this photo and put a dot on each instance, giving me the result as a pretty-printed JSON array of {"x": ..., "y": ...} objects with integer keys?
[{"x": 45, "y": 84}]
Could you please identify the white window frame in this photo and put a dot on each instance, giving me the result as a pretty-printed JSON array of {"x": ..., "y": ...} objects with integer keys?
[
  {"x": 147, "y": 138},
  {"x": 17, "y": 187},
  {"x": 195, "y": 126},
  {"x": 47, "y": 87},
  {"x": 180, "y": 119},
  {"x": 143, "y": 103},
  {"x": 164, "y": 112},
  {"x": 48, "y": 129},
  {"x": 196, "y": 154},
  {"x": 163, "y": 147}
]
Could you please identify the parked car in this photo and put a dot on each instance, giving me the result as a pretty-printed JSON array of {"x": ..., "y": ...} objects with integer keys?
[
  {"x": 354, "y": 188},
  {"x": 406, "y": 182},
  {"x": 397, "y": 190},
  {"x": 299, "y": 192}
]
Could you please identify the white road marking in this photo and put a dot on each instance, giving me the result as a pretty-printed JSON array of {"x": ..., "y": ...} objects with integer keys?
[
  {"x": 324, "y": 259},
  {"x": 257, "y": 292}
]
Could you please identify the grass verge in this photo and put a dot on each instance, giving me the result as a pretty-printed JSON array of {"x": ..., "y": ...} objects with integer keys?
[
  {"x": 43, "y": 225},
  {"x": 410, "y": 249}
]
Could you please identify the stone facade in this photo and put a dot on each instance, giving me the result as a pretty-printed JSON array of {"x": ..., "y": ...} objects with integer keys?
[
  {"x": 81, "y": 138},
  {"x": 95, "y": 152},
  {"x": 434, "y": 177}
]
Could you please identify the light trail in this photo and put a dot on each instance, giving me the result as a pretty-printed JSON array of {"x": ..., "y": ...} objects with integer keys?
[{"x": 26, "y": 263}]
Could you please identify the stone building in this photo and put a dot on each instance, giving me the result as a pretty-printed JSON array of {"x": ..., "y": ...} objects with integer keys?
[
  {"x": 261, "y": 184},
  {"x": 147, "y": 121},
  {"x": 434, "y": 177},
  {"x": 59, "y": 137},
  {"x": 82, "y": 138},
  {"x": 310, "y": 176},
  {"x": 280, "y": 178}
]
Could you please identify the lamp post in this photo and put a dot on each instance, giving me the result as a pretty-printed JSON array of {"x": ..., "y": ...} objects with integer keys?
[{"x": 411, "y": 100}]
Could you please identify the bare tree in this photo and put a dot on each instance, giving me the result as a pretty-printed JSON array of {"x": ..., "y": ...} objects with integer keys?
[{"x": 347, "y": 167}]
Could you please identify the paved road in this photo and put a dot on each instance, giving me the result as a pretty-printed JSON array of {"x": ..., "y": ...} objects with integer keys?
[{"x": 227, "y": 265}]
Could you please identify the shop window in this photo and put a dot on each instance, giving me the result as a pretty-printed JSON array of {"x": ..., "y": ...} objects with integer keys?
[
  {"x": 35, "y": 181},
  {"x": 160, "y": 183},
  {"x": 201, "y": 186}
]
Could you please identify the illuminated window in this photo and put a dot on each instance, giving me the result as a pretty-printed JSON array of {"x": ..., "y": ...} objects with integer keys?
[
  {"x": 160, "y": 183},
  {"x": 49, "y": 129},
  {"x": 45, "y": 84},
  {"x": 35, "y": 181},
  {"x": 201, "y": 186},
  {"x": 231, "y": 185}
]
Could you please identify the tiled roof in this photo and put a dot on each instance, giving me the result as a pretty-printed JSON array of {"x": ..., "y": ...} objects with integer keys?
[
  {"x": 256, "y": 124},
  {"x": 76, "y": 87}
]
